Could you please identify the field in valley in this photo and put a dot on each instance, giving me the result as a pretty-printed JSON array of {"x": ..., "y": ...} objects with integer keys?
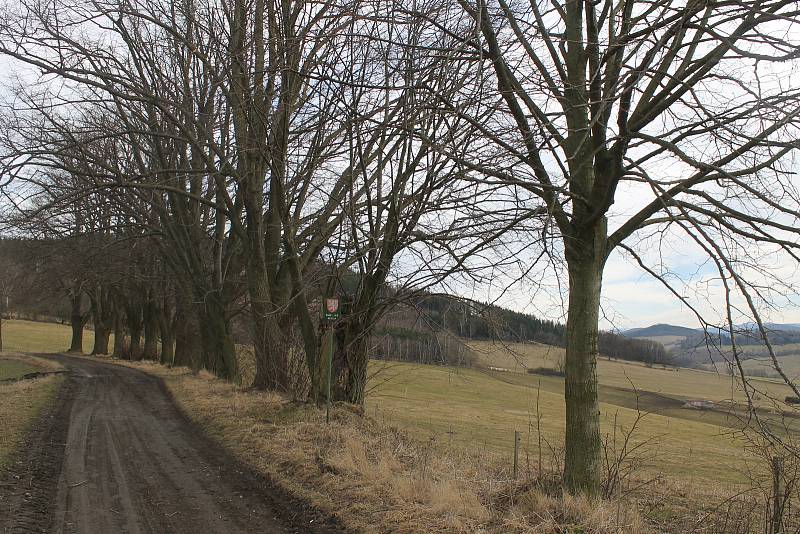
[
  {"x": 679, "y": 383},
  {"x": 759, "y": 363}
]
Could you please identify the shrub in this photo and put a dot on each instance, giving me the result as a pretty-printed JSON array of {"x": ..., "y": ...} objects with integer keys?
[{"x": 546, "y": 371}]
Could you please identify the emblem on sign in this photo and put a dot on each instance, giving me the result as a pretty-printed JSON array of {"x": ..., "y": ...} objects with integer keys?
[{"x": 331, "y": 311}]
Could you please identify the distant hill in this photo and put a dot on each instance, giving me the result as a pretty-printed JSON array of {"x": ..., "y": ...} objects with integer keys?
[
  {"x": 777, "y": 327},
  {"x": 748, "y": 334},
  {"x": 661, "y": 330},
  {"x": 658, "y": 330}
]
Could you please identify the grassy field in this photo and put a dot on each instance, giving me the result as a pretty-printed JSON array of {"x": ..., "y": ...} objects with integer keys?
[
  {"x": 482, "y": 410},
  {"x": 788, "y": 357},
  {"x": 789, "y": 364},
  {"x": 679, "y": 383},
  {"x": 22, "y": 401},
  {"x": 30, "y": 336}
]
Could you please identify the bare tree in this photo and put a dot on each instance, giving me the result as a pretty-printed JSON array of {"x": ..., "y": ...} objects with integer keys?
[{"x": 584, "y": 104}]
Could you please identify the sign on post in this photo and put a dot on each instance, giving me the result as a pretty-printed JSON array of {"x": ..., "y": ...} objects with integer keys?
[{"x": 331, "y": 310}]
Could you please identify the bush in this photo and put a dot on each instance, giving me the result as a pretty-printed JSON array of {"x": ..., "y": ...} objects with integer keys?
[{"x": 546, "y": 371}]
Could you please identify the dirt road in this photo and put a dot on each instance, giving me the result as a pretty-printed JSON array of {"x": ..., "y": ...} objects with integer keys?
[{"x": 116, "y": 456}]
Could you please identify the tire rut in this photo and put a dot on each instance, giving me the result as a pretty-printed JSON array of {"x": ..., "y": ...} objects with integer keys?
[{"x": 28, "y": 486}]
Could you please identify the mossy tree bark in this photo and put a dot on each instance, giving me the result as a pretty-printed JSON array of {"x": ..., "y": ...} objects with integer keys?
[
  {"x": 101, "y": 303},
  {"x": 218, "y": 346},
  {"x": 77, "y": 321},
  {"x": 133, "y": 313},
  {"x": 120, "y": 350},
  {"x": 166, "y": 326},
  {"x": 150, "y": 321},
  {"x": 582, "y": 440}
]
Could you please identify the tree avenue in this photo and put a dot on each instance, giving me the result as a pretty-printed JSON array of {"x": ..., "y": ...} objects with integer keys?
[{"x": 258, "y": 156}]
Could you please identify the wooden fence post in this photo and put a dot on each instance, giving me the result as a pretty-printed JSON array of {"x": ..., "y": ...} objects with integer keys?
[{"x": 777, "y": 498}]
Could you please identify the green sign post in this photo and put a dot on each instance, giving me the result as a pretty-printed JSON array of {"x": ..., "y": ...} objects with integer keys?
[{"x": 330, "y": 313}]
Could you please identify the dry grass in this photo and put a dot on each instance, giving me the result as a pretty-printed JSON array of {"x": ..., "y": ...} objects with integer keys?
[
  {"x": 374, "y": 477},
  {"x": 565, "y": 513},
  {"x": 22, "y": 403}
]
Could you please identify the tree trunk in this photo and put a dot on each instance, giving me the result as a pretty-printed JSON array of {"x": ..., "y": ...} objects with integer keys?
[
  {"x": 135, "y": 329},
  {"x": 271, "y": 351},
  {"x": 2, "y": 311},
  {"x": 188, "y": 348},
  {"x": 166, "y": 326},
  {"x": 218, "y": 346},
  {"x": 102, "y": 335},
  {"x": 582, "y": 438},
  {"x": 76, "y": 321},
  {"x": 270, "y": 341},
  {"x": 167, "y": 355},
  {"x": 150, "y": 320},
  {"x": 119, "y": 337},
  {"x": 188, "y": 345},
  {"x": 357, "y": 360},
  {"x": 183, "y": 350},
  {"x": 102, "y": 307},
  {"x": 350, "y": 359}
]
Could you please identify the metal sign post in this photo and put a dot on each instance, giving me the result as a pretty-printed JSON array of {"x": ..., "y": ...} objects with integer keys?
[{"x": 330, "y": 313}]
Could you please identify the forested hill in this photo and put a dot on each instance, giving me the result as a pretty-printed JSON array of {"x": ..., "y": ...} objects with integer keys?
[
  {"x": 473, "y": 320},
  {"x": 662, "y": 330}
]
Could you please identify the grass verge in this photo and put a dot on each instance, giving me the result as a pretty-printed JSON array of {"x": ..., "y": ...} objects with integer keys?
[{"x": 22, "y": 402}]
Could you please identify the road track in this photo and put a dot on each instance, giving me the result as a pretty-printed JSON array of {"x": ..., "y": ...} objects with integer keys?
[{"x": 115, "y": 455}]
